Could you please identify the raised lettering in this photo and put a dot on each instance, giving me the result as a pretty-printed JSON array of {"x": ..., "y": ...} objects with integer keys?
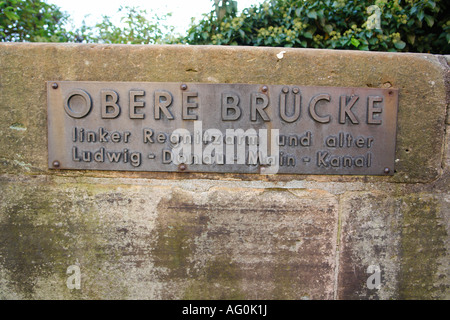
[
  {"x": 91, "y": 136},
  {"x": 126, "y": 136},
  {"x": 136, "y": 104},
  {"x": 135, "y": 159},
  {"x": 331, "y": 142},
  {"x": 187, "y": 105},
  {"x": 360, "y": 142},
  {"x": 75, "y": 154},
  {"x": 115, "y": 137},
  {"x": 148, "y": 133},
  {"x": 109, "y": 100},
  {"x": 230, "y": 102},
  {"x": 161, "y": 137},
  {"x": 78, "y": 104},
  {"x": 102, "y": 133},
  {"x": 312, "y": 108},
  {"x": 321, "y": 155},
  {"x": 371, "y": 109},
  {"x": 258, "y": 103},
  {"x": 345, "y": 109},
  {"x": 163, "y": 100},
  {"x": 296, "y": 106},
  {"x": 99, "y": 156}
]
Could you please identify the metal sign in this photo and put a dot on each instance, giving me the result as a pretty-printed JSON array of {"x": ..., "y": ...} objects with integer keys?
[{"x": 230, "y": 128}]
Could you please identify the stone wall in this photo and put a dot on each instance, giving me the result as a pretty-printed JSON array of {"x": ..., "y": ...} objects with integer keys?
[{"x": 223, "y": 236}]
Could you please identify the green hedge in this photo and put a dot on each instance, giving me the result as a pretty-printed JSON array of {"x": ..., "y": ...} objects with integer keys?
[
  {"x": 381, "y": 25},
  {"x": 31, "y": 20}
]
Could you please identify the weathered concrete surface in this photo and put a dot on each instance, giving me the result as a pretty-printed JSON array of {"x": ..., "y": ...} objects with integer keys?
[
  {"x": 212, "y": 236},
  {"x": 404, "y": 236}
]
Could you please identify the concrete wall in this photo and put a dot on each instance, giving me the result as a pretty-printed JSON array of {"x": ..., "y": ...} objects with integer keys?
[{"x": 223, "y": 236}]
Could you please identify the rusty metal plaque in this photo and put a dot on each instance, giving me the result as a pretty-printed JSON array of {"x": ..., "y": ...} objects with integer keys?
[{"x": 229, "y": 128}]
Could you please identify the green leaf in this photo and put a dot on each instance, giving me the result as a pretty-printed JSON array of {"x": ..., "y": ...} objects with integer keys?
[
  {"x": 420, "y": 15},
  {"x": 429, "y": 20},
  {"x": 364, "y": 41},
  {"x": 355, "y": 42},
  {"x": 308, "y": 35},
  {"x": 320, "y": 13},
  {"x": 400, "y": 45},
  {"x": 411, "y": 38},
  {"x": 344, "y": 41},
  {"x": 373, "y": 41},
  {"x": 312, "y": 15},
  {"x": 11, "y": 15},
  {"x": 242, "y": 33},
  {"x": 328, "y": 28}
]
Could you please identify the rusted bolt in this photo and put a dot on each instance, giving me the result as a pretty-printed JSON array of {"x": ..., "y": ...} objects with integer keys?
[
  {"x": 182, "y": 167},
  {"x": 387, "y": 170},
  {"x": 391, "y": 92},
  {"x": 54, "y": 85},
  {"x": 183, "y": 86},
  {"x": 56, "y": 164},
  {"x": 264, "y": 88}
]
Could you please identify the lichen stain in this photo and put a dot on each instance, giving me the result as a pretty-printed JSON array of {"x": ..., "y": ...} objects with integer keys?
[
  {"x": 179, "y": 222},
  {"x": 422, "y": 244},
  {"x": 43, "y": 231},
  {"x": 29, "y": 249},
  {"x": 220, "y": 280},
  {"x": 227, "y": 244}
]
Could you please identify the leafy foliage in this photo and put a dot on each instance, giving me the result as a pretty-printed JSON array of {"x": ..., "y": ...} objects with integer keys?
[
  {"x": 31, "y": 20},
  {"x": 378, "y": 25},
  {"x": 135, "y": 28}
]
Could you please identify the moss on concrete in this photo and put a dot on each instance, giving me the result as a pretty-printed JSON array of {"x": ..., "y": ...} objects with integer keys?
[
  {"x": 44, "y": 230},
  {"x": 177, "y": 228},
  {"x": 369, "y": 236},
  {"x": 422, "y": 246},
  {"x": 220, "y": 279}
]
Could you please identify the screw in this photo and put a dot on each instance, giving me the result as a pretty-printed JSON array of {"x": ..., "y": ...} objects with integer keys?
[
  {"x": 387, "y": 170},
  {"x": 54, "y": 85},
  {"x": 182, "y": 167},
  {"x": 285, "y": 89},
  {"x": 295, "y": 90},
  {"x": 264, "y": 88},
  {"x": 183, "y": 86},
  {"x": 56, "y": 164}
]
